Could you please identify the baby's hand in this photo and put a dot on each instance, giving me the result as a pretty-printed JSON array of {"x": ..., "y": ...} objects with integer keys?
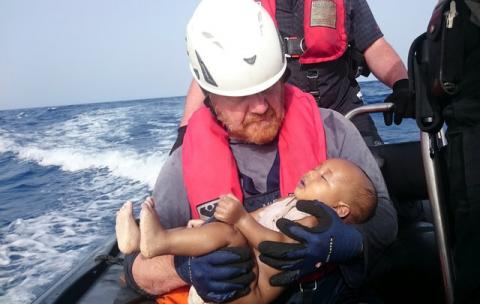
[
  {"x": 229, "y": 210},
  {"x": 195, "y": 223}
]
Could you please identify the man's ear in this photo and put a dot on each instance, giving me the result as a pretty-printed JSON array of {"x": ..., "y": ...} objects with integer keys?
[{"x": 342, "y": 209}]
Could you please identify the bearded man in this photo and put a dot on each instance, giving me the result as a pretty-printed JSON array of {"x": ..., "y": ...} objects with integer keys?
[{"x": 255, "y": 137}]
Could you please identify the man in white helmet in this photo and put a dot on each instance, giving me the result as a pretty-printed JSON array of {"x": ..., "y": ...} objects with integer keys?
[
  {"x": 329, "y": 43},
  {"x": 255, "y": 138}
]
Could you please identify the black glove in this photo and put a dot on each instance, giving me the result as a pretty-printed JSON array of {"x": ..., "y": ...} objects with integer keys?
[
  {"x": 330, "y": 241},
  {"x": 221, "y": 276},
  {"x": 404, "y": 103}
]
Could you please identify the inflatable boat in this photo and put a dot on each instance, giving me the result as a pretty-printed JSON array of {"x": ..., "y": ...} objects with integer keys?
[{"x": 414, "y": 269}]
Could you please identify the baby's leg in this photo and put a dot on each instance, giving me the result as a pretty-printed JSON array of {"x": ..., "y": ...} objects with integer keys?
[
  {"x": 155, "y": 240},
  {"x": 128, "y": 233}
]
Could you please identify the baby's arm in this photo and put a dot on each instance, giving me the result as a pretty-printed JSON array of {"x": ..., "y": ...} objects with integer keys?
[
  {"x": 229, "y": 210},
  {"x": 155, "y": 240},
  {"x": 204, "y": 239}
]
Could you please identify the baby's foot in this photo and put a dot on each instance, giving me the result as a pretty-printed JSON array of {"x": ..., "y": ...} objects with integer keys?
[
  {"x": 128, "y": 233},
  {"x": 152, "y": 233}
]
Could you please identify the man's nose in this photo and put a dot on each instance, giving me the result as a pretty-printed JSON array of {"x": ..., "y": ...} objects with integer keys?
[{"x": 258, "y": 104}]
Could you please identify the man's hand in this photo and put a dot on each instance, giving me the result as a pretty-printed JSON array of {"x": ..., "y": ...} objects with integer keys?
[
  {"x": 404, "y": 104},
  {"x": 229, "y": 210},
  {"x": 330, "y": 241},
  {"x": 220, "y": 276}
]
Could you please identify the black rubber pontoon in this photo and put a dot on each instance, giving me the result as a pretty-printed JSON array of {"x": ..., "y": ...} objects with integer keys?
[{"x": 94, "y": 280}]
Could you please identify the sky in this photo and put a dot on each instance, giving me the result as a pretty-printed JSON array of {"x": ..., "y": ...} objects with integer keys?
[{"x": 63, "y": 52}]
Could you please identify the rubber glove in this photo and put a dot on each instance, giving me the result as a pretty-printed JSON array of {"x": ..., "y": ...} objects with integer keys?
[
  {"x": 220, "y": 276},
  {"x": 330, "y": 241},
  {"x": 404, "y": 104}
]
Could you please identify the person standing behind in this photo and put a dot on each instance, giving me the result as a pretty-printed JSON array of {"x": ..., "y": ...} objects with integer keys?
[
  {"x": 326, "y": 42},
  {"x": 450, "y": 74}
]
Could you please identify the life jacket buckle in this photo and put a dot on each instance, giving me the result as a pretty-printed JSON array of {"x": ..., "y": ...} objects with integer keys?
[
  {"x": 294, "y": 47},
  {"x": 303, "y": 288},
  {"x": 312, "y": 74},
  {"x": 312, "y": 78}
]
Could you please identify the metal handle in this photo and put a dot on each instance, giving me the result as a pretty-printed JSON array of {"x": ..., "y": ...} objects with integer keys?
[
  {"x": 371, "y": 108},
  {"x": 430, "y": 143},
  {"x": 429, "y": 146}
]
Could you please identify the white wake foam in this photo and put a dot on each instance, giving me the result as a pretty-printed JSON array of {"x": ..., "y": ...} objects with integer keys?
[
  {"x": 5, "y": 142},
  {"x": 34, "y": 252},
  {"x": 90, "y": 141},
  {"x": 126, "y": 164},
  {"x": 42, "y": 251}
]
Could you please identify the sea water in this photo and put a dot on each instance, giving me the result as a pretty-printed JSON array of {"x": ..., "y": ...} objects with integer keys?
[{"x": 65, "y": 171}]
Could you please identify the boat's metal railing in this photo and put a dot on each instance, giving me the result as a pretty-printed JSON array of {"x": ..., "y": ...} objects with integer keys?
[
  {"x": 430, "y": 146},
  {"x": 371, "y": 108}
]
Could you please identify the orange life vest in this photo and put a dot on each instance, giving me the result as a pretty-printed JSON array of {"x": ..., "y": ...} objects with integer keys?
[
  {"x": 324, "y": 29},
  {"x": 177, "y": 296},
  {"x": 209, "y": 167}
]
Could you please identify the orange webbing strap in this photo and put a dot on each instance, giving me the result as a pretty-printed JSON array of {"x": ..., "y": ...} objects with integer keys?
[{"x": 176, "y": 296}]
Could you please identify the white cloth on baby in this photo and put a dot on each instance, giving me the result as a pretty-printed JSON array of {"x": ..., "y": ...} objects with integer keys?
[
  {"x": 268, "y": 217},
  {"x": 285, "y": 207}
]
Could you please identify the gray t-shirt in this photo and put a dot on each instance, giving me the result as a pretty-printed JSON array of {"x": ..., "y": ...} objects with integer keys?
[{"x": 343, "y": 141}]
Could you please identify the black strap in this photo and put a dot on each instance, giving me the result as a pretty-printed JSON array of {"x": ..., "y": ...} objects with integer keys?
[
  {"x": 109, "y": 260},
  {"x": 313, "y": 82},
  {"x": 179, "y": 141},
  {"x": 436, "y": 61},
  {"x": 357, "y": 62},
  {"x": 452, "y": 46},
  {"x": 294, "y": 46},
  {"x": 307, "y": 290},
  {"x": 428, "y": 113}
]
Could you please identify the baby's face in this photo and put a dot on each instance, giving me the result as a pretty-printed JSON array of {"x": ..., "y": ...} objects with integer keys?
[{"x": 324, "y": 183}]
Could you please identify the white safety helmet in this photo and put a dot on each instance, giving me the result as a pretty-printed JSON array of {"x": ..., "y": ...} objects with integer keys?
[{"x": 234, "y": 47}]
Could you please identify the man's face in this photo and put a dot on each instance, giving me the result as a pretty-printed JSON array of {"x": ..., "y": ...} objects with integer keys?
[{"x": 254, "y": 118}]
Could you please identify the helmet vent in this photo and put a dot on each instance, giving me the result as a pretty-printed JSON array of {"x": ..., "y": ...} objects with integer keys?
[
  {"x": 251, "y": 60},
  {"x": 196, "y": 73},
  {"x": 260, "y": 22},
  {"x": 206, "y": 74},
  {"x": 209, "y": 36}
]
